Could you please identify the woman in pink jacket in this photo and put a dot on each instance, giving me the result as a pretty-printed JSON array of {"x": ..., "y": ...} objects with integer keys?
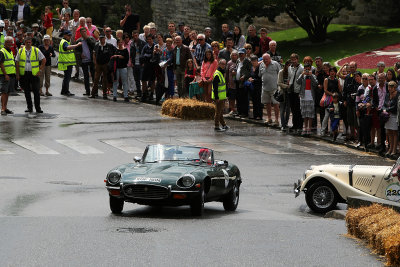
[{"x": 207, "y": 73}]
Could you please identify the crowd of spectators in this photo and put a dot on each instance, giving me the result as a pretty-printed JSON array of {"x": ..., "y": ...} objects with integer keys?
[{"x": 154, "y": 66}]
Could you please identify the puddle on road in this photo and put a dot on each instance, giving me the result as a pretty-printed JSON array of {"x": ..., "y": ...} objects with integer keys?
[
  {"x": 64, "y": 183},
  {"x": 20, "y": 203},
  {"x": 11, "y": 178},
  {"x": 137, "y": 230}
]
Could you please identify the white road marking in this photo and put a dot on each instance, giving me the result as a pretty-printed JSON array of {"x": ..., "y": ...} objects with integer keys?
[
  {"x": 35, "y": 147},
  {"x": 79, "y": 147},
  {"x": 306, "y": 149},
  {"x": 124, "y": 145}
]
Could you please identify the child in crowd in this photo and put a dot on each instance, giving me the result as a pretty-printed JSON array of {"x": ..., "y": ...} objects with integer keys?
[
  {"x": 335, "y": 109},
  {"x": 194, "y": 88},
  {"x": 48, "y": 21},
  {"x": 190, "y": 73},
  {"x": 308, "y": 83}
]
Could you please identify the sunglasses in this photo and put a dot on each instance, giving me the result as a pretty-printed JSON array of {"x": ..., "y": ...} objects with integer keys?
[
  {"x": 215, "y": 46},
  {"x": 200, "y": 39},
  {"x": 248, "y": 48},
  {"x": 365, "y": 78}
]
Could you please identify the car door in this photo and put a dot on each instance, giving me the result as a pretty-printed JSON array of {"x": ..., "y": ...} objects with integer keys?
[{"x": 220, "y": 181}]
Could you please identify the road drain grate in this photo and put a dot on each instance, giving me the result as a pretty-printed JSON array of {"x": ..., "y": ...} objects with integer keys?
[{"x": 137, "y": 230}]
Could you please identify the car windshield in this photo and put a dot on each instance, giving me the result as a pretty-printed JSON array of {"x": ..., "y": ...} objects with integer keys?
[{"x": 155, "y": 153}]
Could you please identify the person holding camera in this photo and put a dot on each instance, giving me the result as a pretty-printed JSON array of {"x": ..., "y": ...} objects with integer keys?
[{"x": 308, "y": 84}]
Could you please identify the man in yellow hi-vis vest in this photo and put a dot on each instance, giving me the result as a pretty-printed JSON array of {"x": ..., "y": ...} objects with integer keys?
[
  {"x": 7, "y": 73},
  {"x": 28, "y": 68},
  {"x": 66, "y": 60},
  {"x": 218, "y": 94}
]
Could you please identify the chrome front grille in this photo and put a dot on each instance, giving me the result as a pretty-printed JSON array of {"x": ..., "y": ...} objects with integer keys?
[{"x": 146, "y": 191}]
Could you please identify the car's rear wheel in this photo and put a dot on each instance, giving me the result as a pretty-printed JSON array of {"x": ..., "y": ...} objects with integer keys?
[
  {"x": 231, "y": 200},
  {"x": 321, "y": 197},
  {"x": 116, "y": 205},
  {"x": 197, "y": 206}
]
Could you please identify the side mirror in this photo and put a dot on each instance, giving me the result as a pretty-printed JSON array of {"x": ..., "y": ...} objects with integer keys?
[{"x": 137, "y": 159}]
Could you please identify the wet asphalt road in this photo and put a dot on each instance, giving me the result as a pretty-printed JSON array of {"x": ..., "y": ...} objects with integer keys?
[{"x": 54, "y": 207}]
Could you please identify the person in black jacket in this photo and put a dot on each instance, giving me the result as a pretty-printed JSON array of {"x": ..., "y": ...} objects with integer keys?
[
  {"x": 255, "y": 90},
  {"x": 136, "y": 48},
  {"x": 349, "y": 95},
  {"x": 26, "y": 11},
  {"x": 148, "y": 75},
  {"x": 85, "y": 57},
  {"x": 101, "y": 57},
  {"x": 3, "y": 12}
]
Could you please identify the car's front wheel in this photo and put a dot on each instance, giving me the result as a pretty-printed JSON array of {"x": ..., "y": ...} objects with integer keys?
[
  {"x": 231, "y": 200},
  {"x": 321, "y": 197},
  {"x": 197, "y": 206},
  {"x": 116, "y": 205}
]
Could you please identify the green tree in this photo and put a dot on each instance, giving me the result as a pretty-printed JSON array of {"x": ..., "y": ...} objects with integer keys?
[{"x": 313, "y": 16}]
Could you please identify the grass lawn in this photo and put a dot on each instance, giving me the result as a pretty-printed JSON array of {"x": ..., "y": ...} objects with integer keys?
[{"x": 346, "y": 40}]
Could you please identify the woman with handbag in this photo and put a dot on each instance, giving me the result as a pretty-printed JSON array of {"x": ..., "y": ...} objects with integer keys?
[
  {"x": 207, "y": 73},
  {"x": 331, "y": 85}
]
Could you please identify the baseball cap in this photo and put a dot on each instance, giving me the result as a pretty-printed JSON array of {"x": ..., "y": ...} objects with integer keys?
[
  {"x": 242, "y": 51},
  {"x": 46, "y": 37},
  {"x": 67, "y": 32},
  {"x": 35, "y": 25}
]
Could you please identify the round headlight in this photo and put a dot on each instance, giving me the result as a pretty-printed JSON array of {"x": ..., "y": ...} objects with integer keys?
[
  {"x": 187, "y": 180},
  {"x": 114, "y": 177}
]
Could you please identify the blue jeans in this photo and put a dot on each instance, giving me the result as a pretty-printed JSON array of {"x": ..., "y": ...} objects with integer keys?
[
  {"x": 66, "y": 80},
  {"x": 123, "y": 74},
  {"x": 284, "y": 109}
]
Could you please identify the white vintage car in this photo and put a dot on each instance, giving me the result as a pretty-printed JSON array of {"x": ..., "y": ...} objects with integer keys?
[{"x": 326, "y": 185}]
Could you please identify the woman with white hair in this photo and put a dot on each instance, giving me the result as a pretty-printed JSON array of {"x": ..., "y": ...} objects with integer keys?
[{"x": 48, "y": 51}]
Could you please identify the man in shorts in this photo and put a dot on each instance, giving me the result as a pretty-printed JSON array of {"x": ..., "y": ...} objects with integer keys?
[
  {"x": 269, "y": 70},
  {"x": 7, "y": 73}
]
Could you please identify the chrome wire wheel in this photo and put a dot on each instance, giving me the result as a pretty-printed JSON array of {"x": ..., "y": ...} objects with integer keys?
[{"x": 323, "y": 197}]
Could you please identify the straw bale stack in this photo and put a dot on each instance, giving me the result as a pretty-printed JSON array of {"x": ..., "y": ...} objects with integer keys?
[
  {"x": 354, "y": 216},
  {"x": 383, "y": 235},
  {"x": 392, "y": 250},
  {"x": 380, "y": 226},
  {"x": 188, "y": 109}
]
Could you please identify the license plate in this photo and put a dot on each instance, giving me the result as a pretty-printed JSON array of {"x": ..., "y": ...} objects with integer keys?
[{"x": 147, "y": 179}]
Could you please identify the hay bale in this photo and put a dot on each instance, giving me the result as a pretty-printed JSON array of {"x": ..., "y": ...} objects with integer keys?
[
  {"x": 354, "y": 216},
  {"x": 188, "y": 109},
  {"x": 392, "y": 250},
  {"x": 385, "y": 219},
  {"x": 383, "y": 235}
]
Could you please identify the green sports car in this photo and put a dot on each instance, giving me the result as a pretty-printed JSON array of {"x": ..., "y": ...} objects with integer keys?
[{"x": 172, "y": 175}]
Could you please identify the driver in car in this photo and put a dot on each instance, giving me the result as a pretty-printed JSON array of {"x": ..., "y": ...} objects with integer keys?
[{"x": 205, "y": 155}]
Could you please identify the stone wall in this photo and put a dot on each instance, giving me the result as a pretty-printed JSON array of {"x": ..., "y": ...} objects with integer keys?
[
  {"x": 191, "y": 12},
  {"x": 375, "y": 12}
]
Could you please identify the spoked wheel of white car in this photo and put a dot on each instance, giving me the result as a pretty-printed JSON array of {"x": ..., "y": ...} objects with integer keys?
[
  {"x": 197, "y": 206},
  {"x": 321, "y": 197},
  {"x": 116, "y": 205},
  {"x": 231, "y": 200}
]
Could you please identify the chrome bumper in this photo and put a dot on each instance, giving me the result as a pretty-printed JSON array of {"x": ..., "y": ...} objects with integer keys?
[{"x": 297, "y": 186}]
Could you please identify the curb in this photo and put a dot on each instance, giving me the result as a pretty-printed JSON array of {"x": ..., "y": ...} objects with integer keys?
[
  {"x": 312, "y": 136},
  {"x": 336, "y": 214}
]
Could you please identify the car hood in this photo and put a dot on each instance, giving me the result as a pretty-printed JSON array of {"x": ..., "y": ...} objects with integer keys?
[{"x": 166, "y": 171}]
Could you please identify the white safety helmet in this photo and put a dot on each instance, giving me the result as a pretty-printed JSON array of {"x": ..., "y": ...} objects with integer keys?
[{"x": 2, "y": 24}]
